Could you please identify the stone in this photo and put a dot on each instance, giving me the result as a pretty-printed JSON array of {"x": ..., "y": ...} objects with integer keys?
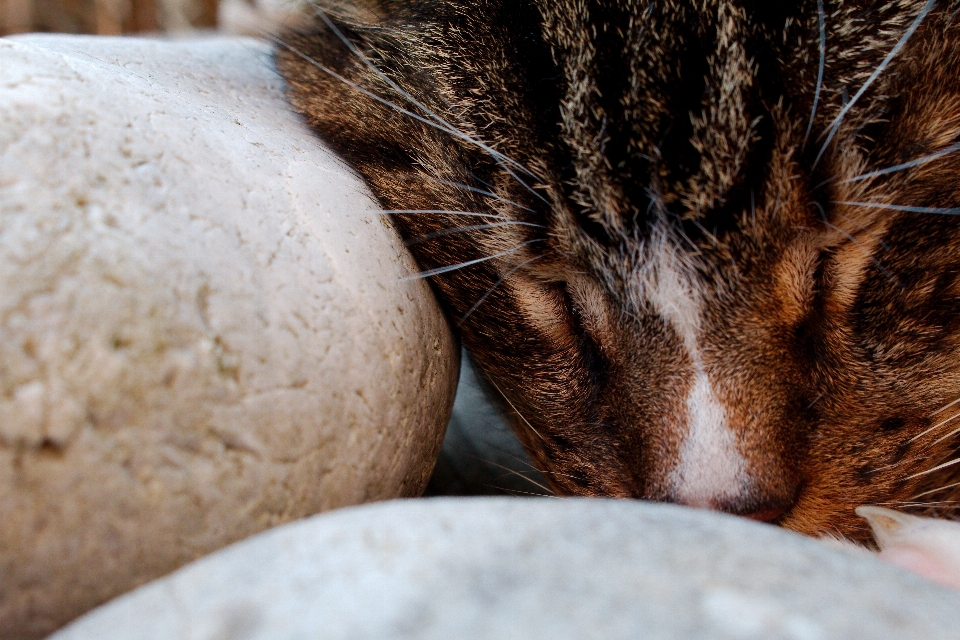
[
  {"x": 206, "y": 327},
  {"x": 530, "y": 569}
]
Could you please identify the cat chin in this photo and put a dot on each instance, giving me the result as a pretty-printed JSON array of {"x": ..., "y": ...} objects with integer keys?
[{"x": 927, "y": 547}]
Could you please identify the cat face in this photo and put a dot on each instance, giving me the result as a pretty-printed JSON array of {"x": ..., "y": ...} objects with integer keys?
[{"x": 706, "y": 251}]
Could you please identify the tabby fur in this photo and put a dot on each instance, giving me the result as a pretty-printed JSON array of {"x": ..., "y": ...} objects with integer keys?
[{"x": 687, "y": 279}]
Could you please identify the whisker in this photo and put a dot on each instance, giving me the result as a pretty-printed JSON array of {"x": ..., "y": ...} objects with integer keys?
[
  {"x": 944, "y": 408},
  {"x": 430, "y": 123},
  {"x": 940, "y": 504},
  {"x": 900, "y": 207},
  {"x": 475, "y": 227},
  {"x": 863, "y": 228},
  {"x": 898, "y": 464},
  {"x": 906, "y": 165},
  {"x": 525, "y": 493},
  {"x": 461, "y": 265},
  {"x": 823, "y": 56},
  {"x": 516, "y": 473},
  {"x": 408, "y": 212},
  {"x": 357, "y": 87},
  {"x": 945, "y": 465},
  {"x": 541, "y": 471},
  {"x": 494, "y": 288},
  {"x": 527, "y": 422},
  {"x": 934, "y": 427},
  {"x": 863, "y": 249},
  {"x": 437, "y": 121},
  {"x": 946, "y": 437},
  {"x": 835, "y": 125},
  {"x": 553, "y": 473},
  {"x": 369, "y": 64},
  {"x": 483, "y": 182},
  {"x": 533, "y": 468},
  {"x": 490, "y": 194},
  {"x": 937, "y": 490}
]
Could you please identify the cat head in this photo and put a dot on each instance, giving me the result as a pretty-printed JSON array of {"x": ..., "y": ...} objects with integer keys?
[{"x": 706, "y": 251}]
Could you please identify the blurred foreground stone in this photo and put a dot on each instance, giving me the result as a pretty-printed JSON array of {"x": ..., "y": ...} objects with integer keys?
[
  {"x": 204, "y": 331},
  {"x": 530, "y": 569}
]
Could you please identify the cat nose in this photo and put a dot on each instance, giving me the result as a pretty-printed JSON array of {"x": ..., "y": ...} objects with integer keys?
[
  {"x": 766, "y": 515},
  {"x": 769, "y": 510}
]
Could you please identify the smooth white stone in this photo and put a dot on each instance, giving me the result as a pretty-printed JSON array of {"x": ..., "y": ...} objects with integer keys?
[
  {"x": 204, "y": 331},
  {"x": 529, "y": 569}
]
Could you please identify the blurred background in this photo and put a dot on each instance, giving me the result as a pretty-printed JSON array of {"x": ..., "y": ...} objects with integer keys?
[
  {"x": 106, "y": 17},
  {"x": 116, "y": 17}
]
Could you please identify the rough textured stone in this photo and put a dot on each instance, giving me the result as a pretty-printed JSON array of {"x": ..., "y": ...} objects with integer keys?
[
  {"x": 530, "y": 569},
  {"x": 204, "y": 330}
]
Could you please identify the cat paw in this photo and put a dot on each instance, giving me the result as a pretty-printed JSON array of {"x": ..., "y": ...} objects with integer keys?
[{"x": 929, "y": 547}]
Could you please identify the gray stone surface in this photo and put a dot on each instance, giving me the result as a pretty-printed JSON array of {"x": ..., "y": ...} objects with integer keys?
[
  {"x": 205, "y": 329},
  {"x": 528, "y": 569}
]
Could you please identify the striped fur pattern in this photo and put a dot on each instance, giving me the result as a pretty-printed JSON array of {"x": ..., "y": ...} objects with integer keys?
[{"x": 706, "y": 250}]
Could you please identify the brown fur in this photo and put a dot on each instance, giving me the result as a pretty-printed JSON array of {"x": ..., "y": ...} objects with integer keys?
[{"x": 829, "y": 330}]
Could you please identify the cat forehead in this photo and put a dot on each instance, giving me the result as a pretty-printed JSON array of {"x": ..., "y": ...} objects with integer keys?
[
  {"x": 662, "y": 108},
  {"x": 671, "y": 109}
]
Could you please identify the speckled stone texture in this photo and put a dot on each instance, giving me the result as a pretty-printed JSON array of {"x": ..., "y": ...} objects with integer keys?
[
  {"x": 529, "y": 569},
  {"x": 204, "y": 327}
]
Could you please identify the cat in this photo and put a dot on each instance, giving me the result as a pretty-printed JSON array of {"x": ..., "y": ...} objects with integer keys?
[{"x": 705, "y": 250}]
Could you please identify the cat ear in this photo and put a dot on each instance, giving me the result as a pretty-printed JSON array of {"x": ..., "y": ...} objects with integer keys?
[{"x": 926, "y": 546}]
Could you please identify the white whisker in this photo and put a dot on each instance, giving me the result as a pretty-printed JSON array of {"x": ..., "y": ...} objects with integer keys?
[
  {"x": 475, "y": 227},
  {"x": 430, "y": 123},
  {"x": 461, "y": 265},
  {"x": 900, "y": 207},
  {"x": 944, "y": 408},
  {"x": 415, "y": 212},
  {"x": 935, "y": 427},
  {"x": 867, "y": 231},
  {"x": 863, "y": 249},
  {"x": 835, "y": 125},
  {"x": 941, "y": 504},
  {"x": 365, "y": 92},
  {"x": 935, "y": 469},
  {"x": 527, "y": 422},
  {"x": 481, "y": 192},
  {"x": 937, "y": 490},
  {"x": 526, "y": 493},
  {"x": 906, "y": 165},
  {"x": 541, "y": 471},
  {"x": 437, "y": 121},
  {"x": 494, "y": 288},
  {"x": 823, "y": 56},
  {"x": 517, "y": 473},
  {"x": 894, "y": 465},
  {"x": 946, "y": 437}
]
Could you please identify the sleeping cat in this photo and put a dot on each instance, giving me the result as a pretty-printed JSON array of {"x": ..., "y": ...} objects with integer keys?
[{"x": 704, "y": 250}]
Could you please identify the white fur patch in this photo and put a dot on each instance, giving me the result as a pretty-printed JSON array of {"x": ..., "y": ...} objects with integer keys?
[{"x": 711, "y": 469}]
